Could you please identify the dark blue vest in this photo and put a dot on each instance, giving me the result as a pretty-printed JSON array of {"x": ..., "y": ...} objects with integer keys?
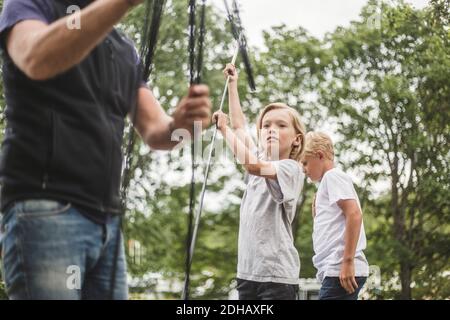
[{"x": 63, "y": 139}]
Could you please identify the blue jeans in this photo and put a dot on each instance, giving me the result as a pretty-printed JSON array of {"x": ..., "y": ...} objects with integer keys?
[
  {"x": 332, "y": 290},
  {"x": 51, "y": 251}
]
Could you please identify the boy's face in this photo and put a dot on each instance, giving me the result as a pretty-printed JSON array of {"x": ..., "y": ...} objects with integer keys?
[
  {"x": 313, "y": 166},
  {"x": 278, "y": 134}
]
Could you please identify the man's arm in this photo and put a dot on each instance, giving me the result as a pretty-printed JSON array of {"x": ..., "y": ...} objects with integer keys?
[
  {"x": 152, "y": 123},
  {"x": 43, "y": 51},
  {"x": 156, "y": 127},
  {"x": 353, "y": 222}
]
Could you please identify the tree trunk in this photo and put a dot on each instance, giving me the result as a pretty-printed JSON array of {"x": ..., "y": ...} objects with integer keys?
[
  {"x": 405, "y": 278},
  {"x": 399, "y": 230}
]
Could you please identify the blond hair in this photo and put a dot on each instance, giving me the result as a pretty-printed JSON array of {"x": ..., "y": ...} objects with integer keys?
[
  {"x": 297, "y": 123},
  {"x": 318, "y": 141}
]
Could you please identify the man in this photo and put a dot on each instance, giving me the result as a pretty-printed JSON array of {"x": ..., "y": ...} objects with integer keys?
[{"x": 67, "y": 92}]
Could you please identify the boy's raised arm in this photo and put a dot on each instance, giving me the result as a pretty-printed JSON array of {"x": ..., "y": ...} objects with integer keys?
[
  {"x": 237, "y": 118},
  {"x": 243, "y": 154}
]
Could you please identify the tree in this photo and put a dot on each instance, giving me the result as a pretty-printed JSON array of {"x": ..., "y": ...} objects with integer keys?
[{"x": 391, "y": 92}]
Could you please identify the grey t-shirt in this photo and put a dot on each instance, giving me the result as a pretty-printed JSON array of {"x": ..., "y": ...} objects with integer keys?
[{"x": 266, "y": 251}]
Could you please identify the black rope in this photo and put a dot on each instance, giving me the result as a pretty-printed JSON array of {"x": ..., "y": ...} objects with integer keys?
[
  {"x": 238, "y": 34},
  {"x": 237, "y": 29},
  {"x": 151, "y": 34},
  {"x": 201, "y": 41},
  {"x": 149, "y": 38},
  {"x": 195, "y": 78},
  {"x": 192, "y": 31},
  {"x": 192, "y": 34},
  {"x": 192, "y": 234},
  {"x": 233, "y": 27}
]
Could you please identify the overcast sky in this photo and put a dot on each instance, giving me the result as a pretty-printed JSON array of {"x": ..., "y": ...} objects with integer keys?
[{"x": 317, "y": 16}]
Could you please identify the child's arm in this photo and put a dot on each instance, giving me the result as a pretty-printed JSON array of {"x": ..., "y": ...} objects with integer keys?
[
  {"x": 353, "y": 222},
  {"x": 237, "y": 117},
  {"x": 248, "y": 159}
]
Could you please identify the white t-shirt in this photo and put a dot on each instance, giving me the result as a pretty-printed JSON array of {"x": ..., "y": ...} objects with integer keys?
[{"x": 329, "y": 227}]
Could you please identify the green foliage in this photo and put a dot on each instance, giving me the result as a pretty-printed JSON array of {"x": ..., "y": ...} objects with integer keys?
[
  {"x": 382, "y": 84},
  {"x": 3, "y": 295},
  {"x": 390, "y": 92}
]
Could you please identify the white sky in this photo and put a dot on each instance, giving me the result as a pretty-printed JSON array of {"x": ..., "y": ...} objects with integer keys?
[{"x": 317, "y": 16}]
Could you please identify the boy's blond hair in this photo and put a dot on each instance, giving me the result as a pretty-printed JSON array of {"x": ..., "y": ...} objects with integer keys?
[
  {"x": 297, "y": 122},
  {"x": 318, "y": 141}
]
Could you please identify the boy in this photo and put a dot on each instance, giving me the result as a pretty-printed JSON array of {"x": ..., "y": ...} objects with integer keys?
[{"x": 338, "y": 235}]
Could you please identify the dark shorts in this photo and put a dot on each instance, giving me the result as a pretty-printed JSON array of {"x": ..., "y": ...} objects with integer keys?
[
  {"x": 332, "y": 290},
  {"x": 253, "y": 290}
]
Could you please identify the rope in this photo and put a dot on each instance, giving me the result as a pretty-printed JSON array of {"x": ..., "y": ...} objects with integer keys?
[
  {"x": 202, "y": 196},
  {"x": 148, "y": 47},
  {"x": 192, "y": 31}
]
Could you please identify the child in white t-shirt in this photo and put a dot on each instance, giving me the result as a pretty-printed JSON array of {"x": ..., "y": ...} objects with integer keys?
[{"x": 338, "y": 236}]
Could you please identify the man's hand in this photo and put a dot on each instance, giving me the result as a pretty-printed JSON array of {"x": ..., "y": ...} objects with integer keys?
[
  {"x": 230, "y": 71},
  {"x": 347, "y": 276},
  {"x": 195, "y": 107},
  {"x": 221, "y": 120}
]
